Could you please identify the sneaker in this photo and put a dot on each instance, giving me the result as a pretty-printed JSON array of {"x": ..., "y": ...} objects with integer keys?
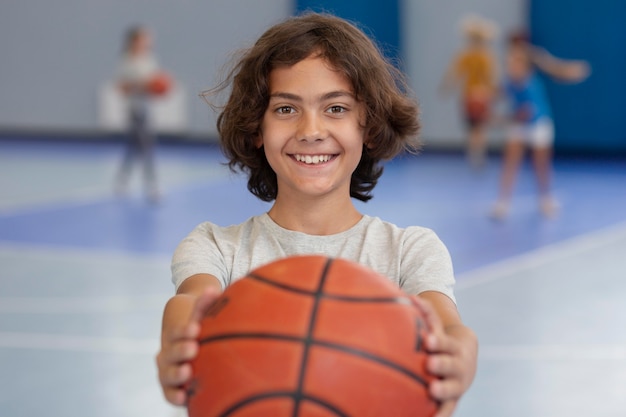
[
  {"x": 549, "y": 207},
  {"x": 499, "y": 210}
]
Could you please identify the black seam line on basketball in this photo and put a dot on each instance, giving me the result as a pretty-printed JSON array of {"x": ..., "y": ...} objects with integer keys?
[
  {"x": 279, "y": 285},
  {"x": 357, "y": 299},
  {"x": 278, "y": 394},
  {"x": 307, "y": 340},
  {"x": 347, "y": 298},
  {"x": 329, "y": 345}
]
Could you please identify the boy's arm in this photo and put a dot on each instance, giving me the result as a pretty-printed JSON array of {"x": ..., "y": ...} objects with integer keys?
[
  {"x": 181, "y": 326},
  {"x": 565, "y": 70},
  {"x": 453, "y": 349}
]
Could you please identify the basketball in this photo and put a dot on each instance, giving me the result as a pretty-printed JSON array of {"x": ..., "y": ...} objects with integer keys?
[
  {"x": 160, "y": 84},
  {"x": 477, "y": 106},
  {"x": 311, "y": 336}
]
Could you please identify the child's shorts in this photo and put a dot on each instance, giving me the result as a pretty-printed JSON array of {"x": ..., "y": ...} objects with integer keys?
[{"x": 538, "y": 134}]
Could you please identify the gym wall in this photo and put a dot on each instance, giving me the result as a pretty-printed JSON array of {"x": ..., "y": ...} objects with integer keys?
[{"x": 589, "y": 117}]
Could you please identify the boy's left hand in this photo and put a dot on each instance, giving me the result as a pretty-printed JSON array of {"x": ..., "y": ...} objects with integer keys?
[{"x": 453, "y": 355}]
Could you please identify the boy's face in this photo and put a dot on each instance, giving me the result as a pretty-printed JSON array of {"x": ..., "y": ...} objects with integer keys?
[
  {"x": 312, "y": 129},
  {"x": 517, "y": 64},
  {"x": 142, "y": 43}
]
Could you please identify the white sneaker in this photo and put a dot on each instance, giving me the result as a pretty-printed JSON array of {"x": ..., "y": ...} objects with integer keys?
[
  {"x": 499, "y": 210},
  {"x": 549, "y": 207}
]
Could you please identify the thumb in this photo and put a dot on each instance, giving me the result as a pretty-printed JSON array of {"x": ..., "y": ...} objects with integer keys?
[{"x": 203, "y": 303}]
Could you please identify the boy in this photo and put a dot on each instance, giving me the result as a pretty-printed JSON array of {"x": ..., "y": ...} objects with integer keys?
[{"x": 312, "y": 111}]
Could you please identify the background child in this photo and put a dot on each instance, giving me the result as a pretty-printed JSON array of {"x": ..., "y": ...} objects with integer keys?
[
  {"x": 474, "y": 70},
  {"x": 531, "y": 119},
  {"x": 313, "y": 109},
  {"x": 136, "y": 69}
]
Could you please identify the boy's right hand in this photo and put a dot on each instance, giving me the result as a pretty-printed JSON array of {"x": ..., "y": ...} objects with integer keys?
[{"x": 179, "y": 342}]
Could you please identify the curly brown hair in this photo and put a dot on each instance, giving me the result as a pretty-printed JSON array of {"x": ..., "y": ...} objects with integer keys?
[{"x": 391, "y": 122}]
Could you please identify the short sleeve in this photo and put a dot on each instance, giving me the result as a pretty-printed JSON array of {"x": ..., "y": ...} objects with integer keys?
[
  {"x": 426, "y": 264},
  {"x": 198, "y": 253}
]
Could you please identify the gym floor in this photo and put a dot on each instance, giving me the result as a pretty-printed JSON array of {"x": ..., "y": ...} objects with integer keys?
[{"x": 84, "y": 275}]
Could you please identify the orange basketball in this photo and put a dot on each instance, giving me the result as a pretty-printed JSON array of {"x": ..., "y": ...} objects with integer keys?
[
  {"x": 160, "y": 83},
  {"x": 311, "y": 336}
]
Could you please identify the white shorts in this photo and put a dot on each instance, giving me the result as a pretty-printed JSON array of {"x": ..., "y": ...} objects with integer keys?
[{"x": 539, "y": 134}]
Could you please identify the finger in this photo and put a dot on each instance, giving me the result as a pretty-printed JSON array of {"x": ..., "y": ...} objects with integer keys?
[
  {"x": 446, "y": 409},
  {"x": 202, "y": 304},
  {"x": 179, "y": 352},
  {"x": 440, "y": 342},
  {"x": 176, "y": 396},
  {"x": 442, "y": 365},
  {"x": 436, "y": 340},
  {"x": 175, "y": 376},
  {"x": 446, "y": 389},
  {"x": 186, "y": 331},
  {"x": 428, "y": 311}
]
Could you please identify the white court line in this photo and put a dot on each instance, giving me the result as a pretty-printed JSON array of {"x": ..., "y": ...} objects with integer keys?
[
  {"x": 83, "y": 304},
  {"x": 42, "y": 341},
  {"x": 82, "y": 254},
  {"x": 541, "y": 256},
  {"x": 553, "y": 352},
  {"x": 83, "y": 196},
  {"x": 103, "y": 192},
  {"x": 82, "y": 258}
]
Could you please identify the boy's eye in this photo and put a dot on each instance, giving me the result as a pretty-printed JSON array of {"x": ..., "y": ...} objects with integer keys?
[
  {"x": 285, "y": 110},
  {"x": 336, "y": 109}
]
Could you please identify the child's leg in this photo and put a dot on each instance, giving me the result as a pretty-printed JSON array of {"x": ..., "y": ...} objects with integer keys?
[
  {"x": 477, "y": 140},
  {"x": 476, "y": 108},
  {"x": 542, "y": 162},
  {"x": 542, "y": 139},
  {"x": 133, "y": 149},
  {"x": 147, "y": 144},
  {"x": 513, "y": 154},
  {"x": 542, "y": 159}
]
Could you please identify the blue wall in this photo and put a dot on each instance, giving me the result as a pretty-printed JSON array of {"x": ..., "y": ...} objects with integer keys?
[
  {"x": 591, "y": 116},
  {"x": 379, "y": 19}
]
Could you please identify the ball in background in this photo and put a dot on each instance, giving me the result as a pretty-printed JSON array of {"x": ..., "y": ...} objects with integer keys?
[{"x": 160, "y": 83}]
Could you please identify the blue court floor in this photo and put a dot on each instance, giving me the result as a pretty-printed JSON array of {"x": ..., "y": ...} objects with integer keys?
[{"x": 84, "y": 275}]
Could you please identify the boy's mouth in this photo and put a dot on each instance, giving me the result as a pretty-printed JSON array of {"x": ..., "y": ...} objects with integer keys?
[{"x": 312, "y": 159}]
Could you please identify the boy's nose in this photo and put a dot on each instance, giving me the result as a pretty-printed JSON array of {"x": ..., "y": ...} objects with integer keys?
[{"x": 311, "y": 128}]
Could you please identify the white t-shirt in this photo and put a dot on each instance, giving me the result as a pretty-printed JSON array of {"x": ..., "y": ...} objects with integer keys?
[
  {"x": 414, "y": 257},
  {"x": 137, "y": 70}
]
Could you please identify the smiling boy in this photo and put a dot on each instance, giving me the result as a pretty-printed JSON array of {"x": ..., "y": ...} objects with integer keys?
[{"x": 314, "y": 108}]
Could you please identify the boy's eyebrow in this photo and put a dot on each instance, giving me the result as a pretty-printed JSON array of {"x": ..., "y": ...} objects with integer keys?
[
  {"x": 286, "y": 96},
  {"x": 327, "y": 96},
  {"x": 337, "y": 94}
]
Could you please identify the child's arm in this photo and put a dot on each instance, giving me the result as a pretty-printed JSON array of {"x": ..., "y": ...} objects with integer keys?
[
  {"x": 453, "y": 349},
  {"x": 127, "y": 87},
  {"x": 451, "y": 78},
  {"x": 564, "y": 70},
  {"x": 181, "y": 326}
]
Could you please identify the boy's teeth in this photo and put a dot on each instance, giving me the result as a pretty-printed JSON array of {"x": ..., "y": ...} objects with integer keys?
[{"x": 312, "y": 159}]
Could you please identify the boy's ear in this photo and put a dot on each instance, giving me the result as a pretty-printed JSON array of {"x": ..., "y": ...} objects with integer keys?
[
  {"x": 368, "y": 143},
  {"x": 258, "y": 141}
]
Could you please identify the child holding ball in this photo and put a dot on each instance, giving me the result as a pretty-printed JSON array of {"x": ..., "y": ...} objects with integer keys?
[{"x": 313, "y": 110}]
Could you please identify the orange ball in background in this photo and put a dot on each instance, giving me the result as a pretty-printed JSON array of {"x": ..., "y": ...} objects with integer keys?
[
  {"x": 160, "y": 83},
  {"x": 311, "y": 336},
  {"x": 478, "y": 105}
]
